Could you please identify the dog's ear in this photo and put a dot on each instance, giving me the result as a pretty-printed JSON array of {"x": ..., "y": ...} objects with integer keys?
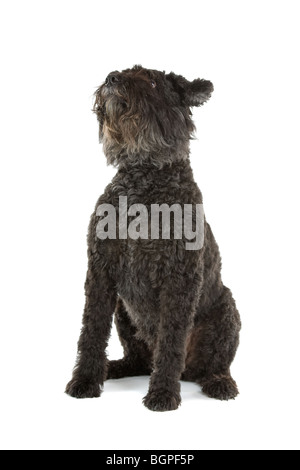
[{"x": 193, "y": 93}]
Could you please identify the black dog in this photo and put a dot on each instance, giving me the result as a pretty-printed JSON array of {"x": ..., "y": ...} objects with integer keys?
[{"x": 175, "y": 318}]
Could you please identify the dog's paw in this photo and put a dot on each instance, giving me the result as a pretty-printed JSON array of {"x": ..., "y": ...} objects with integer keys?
[
  {"x": 221, "y": 388},
  {"x": 119, "y": 369},
  {"x": 83, "y": 389},
  {"x": 162, "y": 400},
  {"x": 126, "y": 368}
]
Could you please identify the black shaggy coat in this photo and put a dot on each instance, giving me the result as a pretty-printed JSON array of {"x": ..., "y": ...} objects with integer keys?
[{"x": 175, "y": 318}]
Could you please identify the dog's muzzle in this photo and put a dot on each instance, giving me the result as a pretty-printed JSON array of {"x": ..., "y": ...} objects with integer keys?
[{"x": 113, "y": 79}]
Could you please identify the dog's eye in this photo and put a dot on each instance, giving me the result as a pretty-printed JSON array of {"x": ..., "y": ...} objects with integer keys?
[{"x": 153, "y": 83}]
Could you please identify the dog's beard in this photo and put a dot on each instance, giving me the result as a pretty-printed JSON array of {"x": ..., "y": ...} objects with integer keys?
[
  {"x": 129, "y": 126},
  {"x": 114, "y": 108},
  {"x": 120, "y": 126}
]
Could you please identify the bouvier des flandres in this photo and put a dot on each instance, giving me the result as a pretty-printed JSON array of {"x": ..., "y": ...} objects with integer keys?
[{"x": 175, "y": 318}]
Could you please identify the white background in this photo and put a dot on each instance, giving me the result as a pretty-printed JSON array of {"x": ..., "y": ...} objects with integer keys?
[{"x": 246, "y": 160}]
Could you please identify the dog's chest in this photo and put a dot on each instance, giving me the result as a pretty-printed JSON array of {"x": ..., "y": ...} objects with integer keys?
[{"x": 139, "y": 281}]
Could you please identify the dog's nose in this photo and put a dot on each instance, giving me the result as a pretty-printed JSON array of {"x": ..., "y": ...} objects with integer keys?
[{"x": 113, "y": 79}]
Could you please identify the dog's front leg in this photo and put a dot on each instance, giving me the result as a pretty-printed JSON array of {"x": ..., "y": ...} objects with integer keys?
[
  {"x": 91, "y": 367},
  {"x": 177, "y": 307}
]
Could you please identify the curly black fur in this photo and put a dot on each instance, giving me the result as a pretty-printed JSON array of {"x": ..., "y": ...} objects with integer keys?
[{"x": 175, "y": 318}]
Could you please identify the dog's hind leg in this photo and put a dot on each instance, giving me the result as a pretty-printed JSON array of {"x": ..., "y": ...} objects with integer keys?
[
  {"x": 137, "y": 357},
  {"x": 212, "y": 348}
]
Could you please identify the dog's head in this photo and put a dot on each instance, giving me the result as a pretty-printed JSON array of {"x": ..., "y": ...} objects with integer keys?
[{"x": 147, "y": 112}]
